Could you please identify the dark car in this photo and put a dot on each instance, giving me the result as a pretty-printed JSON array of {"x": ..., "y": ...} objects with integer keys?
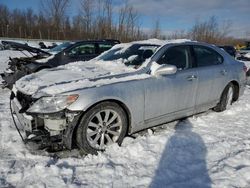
[
  {"x": 40, "y": 59},
  {"x": 229, "y": 49}
]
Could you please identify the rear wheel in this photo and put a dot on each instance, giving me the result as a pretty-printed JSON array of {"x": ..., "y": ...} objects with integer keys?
[
  {"x": 226, "y": 99},
  {"x": 102, "y": 125}
]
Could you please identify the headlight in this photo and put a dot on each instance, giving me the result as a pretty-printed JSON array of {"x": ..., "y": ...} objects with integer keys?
[{"x": 52, "y": 104}]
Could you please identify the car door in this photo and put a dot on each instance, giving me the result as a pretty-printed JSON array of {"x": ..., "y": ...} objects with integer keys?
[
  {"x": 212, "y": 76},
  {"x": 172, "y": 96}
]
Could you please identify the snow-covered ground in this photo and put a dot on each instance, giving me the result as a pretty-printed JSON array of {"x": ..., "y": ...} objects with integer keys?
[{"x": 207, "y": 150}]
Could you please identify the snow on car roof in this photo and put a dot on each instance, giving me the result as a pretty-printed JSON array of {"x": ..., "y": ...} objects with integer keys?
[{"x": 151, "y": 42}]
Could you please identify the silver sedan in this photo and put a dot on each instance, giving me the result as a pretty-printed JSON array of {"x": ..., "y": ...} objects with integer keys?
[{"x": 95, "y": 110}]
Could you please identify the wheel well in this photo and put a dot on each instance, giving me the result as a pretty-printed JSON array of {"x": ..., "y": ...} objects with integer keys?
[
  {"x": 126, "y": 110},
  {"x": 121, "y": 104},
  {"x": 236, "y": 90}
]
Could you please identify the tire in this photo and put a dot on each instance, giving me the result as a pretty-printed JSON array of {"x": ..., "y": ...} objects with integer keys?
[
  {"x": 102, "y": 125},
  {"x": 227, "y": 98}
]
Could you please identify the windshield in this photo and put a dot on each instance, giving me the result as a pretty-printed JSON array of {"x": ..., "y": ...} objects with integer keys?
[
  {"x": 60, "y": 47},
  {"x": 133, "y": 55}
]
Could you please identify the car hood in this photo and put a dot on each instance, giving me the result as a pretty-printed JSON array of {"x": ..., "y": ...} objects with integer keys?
[
  {"x": 77, "y": 75},
  {"x": 24, "y": 47}
]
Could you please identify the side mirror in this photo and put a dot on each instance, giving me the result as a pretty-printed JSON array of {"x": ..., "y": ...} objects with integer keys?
[{"x": 162, "y": 70}]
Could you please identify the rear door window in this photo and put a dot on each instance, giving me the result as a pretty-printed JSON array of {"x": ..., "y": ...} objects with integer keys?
[
  {"x": 83, "y": 49},
  {"x": 206, "y": 56},
  {"x": 104, "y": 47}
]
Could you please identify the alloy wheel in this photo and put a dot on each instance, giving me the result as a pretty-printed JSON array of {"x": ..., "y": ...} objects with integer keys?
[{"x": 104, "y": 128}]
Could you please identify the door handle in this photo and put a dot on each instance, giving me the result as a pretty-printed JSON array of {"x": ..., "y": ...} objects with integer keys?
[
  {"x": 223, "y": 72},
  {"x": 191, "y": 78}
]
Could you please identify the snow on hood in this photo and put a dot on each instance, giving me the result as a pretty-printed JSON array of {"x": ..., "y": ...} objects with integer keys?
[
  {"x": 74, "y": 76},
  {"x": 79, "y": 75}
]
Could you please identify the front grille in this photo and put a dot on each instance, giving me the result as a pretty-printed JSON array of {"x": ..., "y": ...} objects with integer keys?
[{"x": 25, "y": 100}]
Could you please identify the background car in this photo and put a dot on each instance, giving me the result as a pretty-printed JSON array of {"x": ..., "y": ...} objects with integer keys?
[
  {"x": 98, "y": 103},
  {"x": 40, "y": 59},
  {"x": 229, "y": 49},
  {"x": 243, "y": 54}
]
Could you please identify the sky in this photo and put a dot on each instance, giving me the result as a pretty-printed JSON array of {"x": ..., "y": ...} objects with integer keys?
[{"x": 173, "y": 15}]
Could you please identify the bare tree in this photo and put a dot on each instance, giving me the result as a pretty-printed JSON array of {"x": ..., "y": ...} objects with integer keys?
[
  {"x": 96, "y": 20},
  {"x": 108, "y": 17},
  {"x": 210, "y": 31},
  {"x": 156, "y": 32},
  {"x": 121, "y": 20},
  {"x": 4, "y": 20},
  {"x": 128, "y": 27},
  {"x": 178, "y": 34},
  {"x": 55, "y": 10},
  {"x": 87, "y": 9}
]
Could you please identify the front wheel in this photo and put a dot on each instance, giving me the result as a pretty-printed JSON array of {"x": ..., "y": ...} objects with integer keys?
[
  {"x": 103, "y": 125},
  {"x": 226, "y": 99}
]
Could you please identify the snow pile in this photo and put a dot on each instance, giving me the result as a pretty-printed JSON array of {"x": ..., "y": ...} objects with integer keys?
[{"x": 125, "y": 46}]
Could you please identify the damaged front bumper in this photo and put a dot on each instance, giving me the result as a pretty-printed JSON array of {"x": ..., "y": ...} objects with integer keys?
[{"x": 53, "y": 132}]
